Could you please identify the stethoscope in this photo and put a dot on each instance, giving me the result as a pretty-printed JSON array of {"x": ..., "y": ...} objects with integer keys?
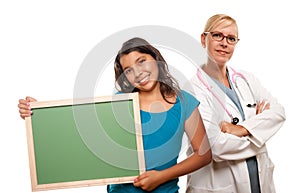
[{"x": 234, "y": 77}]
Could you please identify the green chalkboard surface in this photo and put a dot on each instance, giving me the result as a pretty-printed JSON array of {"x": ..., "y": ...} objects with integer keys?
[{"x": 75, "y": 143}]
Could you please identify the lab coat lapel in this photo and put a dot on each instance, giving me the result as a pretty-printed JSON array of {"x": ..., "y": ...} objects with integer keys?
[{"x": 222, "y": 97}]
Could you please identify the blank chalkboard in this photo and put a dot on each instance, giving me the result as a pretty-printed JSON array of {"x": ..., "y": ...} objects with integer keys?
[{"x": 85, "y": 142}]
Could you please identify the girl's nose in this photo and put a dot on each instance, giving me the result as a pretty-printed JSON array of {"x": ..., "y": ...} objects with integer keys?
[{"x": 137, "y": 71}]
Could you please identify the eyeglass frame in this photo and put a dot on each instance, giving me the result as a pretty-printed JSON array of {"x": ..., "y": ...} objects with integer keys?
[{"x": 223, "y": 36}]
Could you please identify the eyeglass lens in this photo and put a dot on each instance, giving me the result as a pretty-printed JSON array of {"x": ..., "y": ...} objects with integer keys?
[{"x": 218, "y": 36}]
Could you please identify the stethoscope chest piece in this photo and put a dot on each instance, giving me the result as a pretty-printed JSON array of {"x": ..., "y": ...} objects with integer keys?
[{"x": 235, "y": 120}]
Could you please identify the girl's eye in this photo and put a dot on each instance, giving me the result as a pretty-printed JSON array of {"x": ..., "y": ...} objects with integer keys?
[
  {"x": 142, "y": 61},
  {"x": 127, "y": 71}
]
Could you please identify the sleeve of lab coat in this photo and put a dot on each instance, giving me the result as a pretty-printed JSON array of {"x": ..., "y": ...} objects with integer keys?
[
  {"x": 224, "y": 146},
  {"x": 264, "y": 125}
]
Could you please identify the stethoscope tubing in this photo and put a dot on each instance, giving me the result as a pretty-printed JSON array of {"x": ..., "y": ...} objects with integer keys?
[
  {"x": 234, "y": 120},
  {"x": 234, "y": 77},
  {"x": 214, "y": 94}
]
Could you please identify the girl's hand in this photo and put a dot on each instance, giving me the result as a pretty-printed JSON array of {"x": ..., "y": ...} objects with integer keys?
[
  {"x": 149, "y": 180},
  {"x": 24, "y": 107}
]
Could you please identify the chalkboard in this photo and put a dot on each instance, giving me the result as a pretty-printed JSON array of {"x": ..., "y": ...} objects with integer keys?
[{"x": 85, "y": 142}]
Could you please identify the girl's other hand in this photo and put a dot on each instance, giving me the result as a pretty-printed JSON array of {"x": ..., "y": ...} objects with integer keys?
[{"x": 149, "y": 180}]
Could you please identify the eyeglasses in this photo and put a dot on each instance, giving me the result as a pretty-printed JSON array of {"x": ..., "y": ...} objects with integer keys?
[{"x": 218, "y": 36}]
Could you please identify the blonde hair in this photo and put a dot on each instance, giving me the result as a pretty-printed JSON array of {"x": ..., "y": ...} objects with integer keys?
[{"x": 216, "y": 19}]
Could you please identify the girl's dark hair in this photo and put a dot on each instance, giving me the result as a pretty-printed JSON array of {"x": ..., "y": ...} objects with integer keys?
[{"x": 168, "y": 85}]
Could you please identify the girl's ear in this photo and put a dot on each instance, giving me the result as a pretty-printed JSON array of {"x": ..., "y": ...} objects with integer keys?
[{"x": 203, "y": 38}]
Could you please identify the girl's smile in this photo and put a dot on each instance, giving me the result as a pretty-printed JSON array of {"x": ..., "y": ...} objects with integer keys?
[{"x": 144, "y": 80}]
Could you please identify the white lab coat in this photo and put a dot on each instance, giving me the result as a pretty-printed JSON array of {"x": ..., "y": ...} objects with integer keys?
[{"x": 228, "y": 171}]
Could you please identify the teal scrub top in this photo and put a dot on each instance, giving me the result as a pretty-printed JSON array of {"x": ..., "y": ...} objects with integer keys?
[{"x": 162, "y": 137}]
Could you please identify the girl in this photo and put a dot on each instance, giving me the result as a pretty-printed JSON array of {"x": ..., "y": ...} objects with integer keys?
[{"x": 166, "y": 113}]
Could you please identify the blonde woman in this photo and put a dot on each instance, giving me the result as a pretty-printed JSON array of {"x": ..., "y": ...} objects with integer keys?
[{"x": 239, "y": 114}]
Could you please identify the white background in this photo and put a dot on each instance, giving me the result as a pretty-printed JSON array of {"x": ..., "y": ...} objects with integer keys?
[{"x": 43, "y": 43}]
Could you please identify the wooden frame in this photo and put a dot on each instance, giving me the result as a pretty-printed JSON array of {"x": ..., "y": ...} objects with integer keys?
[{"x": 47, "y": 138}]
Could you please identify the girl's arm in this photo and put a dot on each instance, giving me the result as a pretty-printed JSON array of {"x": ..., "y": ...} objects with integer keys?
[{"x": 201, "y": 156}]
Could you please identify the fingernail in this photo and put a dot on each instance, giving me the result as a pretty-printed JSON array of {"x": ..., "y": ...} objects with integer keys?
[{"x": 135, "y": 180}]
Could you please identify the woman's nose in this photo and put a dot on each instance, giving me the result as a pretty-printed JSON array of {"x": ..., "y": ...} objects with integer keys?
[{"x": 223, "y": 43}]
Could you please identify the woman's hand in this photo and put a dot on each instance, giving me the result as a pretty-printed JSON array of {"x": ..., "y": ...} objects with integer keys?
[
  {"x": 24, "y": 107},
  {"x": 239, "y": 130},
  {"x": 261, "y": 106},
  {"x": 236, "y": 130},
  {"x": 149, "y": 180}
]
